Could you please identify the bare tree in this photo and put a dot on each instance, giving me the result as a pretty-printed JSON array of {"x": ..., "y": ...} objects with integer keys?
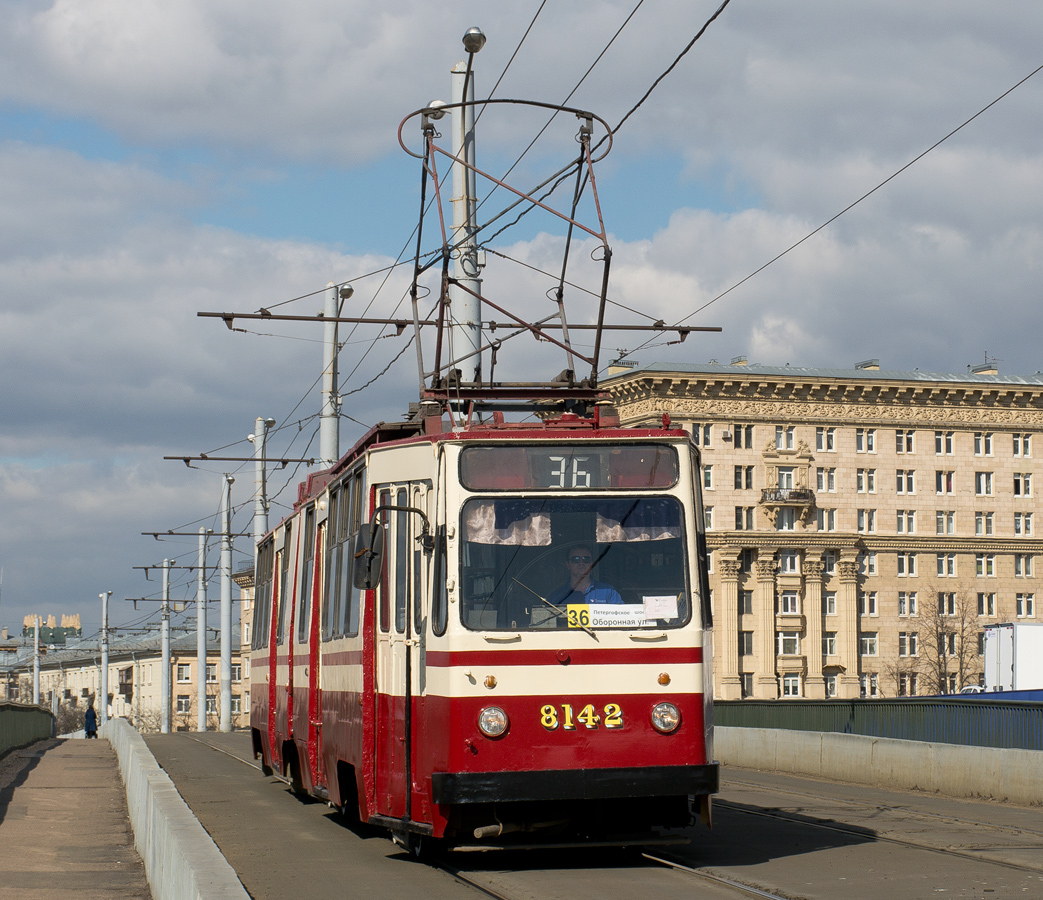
[{"x": 948, "y": 641}]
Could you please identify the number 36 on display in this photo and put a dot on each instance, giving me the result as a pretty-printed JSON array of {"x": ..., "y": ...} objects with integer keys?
[{"x": 553, "y": 717}]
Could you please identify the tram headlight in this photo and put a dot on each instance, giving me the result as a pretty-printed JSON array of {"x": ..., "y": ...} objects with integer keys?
[
  {"x": 666, "y": 718},
  {"x": 493, "y": 721}
]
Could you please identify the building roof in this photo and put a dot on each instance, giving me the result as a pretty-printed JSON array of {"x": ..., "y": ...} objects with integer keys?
[{"x": 852, "y": 374}]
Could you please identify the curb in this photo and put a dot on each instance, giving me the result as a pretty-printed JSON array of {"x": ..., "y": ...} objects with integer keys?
[{"x": 181, "y": 860}]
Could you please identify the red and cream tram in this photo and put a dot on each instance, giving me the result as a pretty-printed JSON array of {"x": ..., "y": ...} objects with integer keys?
[{"x": 422, "y": 661}]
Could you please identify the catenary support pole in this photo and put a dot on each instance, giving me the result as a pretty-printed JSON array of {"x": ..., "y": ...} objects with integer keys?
[
  {"x": 36, "y": 663},
  {"x": 260, "y": 440},
  {"x": 226, "y": 605},
  {"x": 329, "y": 418},
  {"x": 164, "y": 632},
  {"x": 466, "y": 314},
  {"x": 201, "y": 633},
  {"x": 103, "y": 699}
]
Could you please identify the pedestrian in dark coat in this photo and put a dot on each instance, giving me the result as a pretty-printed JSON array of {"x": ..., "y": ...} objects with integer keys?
[{"x": 90, "y": 722}]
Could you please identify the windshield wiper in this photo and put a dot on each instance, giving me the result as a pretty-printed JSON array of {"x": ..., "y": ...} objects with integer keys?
[{"x": 557, "y": 609}]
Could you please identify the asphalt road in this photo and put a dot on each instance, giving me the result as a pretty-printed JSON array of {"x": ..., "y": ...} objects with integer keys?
[{"x": 797, "y": 837}]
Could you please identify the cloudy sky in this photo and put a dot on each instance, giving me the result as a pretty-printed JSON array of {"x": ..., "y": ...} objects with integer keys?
[{"x": 158, "y": 159}]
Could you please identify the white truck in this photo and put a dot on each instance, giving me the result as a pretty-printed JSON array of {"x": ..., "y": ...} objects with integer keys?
[{"x": 1013, "y": 657}]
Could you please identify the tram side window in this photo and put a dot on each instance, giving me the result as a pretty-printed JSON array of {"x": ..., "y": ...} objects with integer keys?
[
  {"x": 351, "y": 516},
  {"x": 402, "y": 521},
  {"x": 307, "y": 571},
  {"x": 284, "y": 571},
  {"x": 331, "y": 566},
  {"x": 418, "y": 571},
  {"x": 263, "y": 596},
  {"x": 439, "y": 590},
  {"x": 383, "y": 589}
]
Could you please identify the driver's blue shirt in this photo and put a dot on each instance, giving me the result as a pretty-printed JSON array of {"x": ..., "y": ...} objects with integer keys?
[{"x": 596, "y": 592}]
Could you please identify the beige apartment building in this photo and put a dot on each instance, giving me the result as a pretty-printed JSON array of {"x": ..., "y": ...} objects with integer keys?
[{"x": 864, "y": 526}]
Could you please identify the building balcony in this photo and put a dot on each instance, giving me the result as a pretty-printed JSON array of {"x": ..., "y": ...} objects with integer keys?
[{"x": 788, "y": 496}]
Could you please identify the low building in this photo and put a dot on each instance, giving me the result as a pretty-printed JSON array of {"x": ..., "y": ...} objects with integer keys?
[{"x": 864, "y": 525}]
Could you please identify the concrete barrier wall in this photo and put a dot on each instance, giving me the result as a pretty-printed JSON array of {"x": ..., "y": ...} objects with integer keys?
[
  {"x": 22, "y": 724},
  {"x": 1015, "y": 776},
  {"x": 181, "y": 860}
]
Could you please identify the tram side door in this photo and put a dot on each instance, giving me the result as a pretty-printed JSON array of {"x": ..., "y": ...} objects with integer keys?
[{"x": 394, "y": 640}]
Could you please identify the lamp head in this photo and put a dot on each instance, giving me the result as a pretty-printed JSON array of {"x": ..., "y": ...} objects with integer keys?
[{"x": 474, "y": 40}]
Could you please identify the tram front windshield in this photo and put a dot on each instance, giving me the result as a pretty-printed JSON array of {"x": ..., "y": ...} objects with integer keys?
[{"x": 573, "y": 563}]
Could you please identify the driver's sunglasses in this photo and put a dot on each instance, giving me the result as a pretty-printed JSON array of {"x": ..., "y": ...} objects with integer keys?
[{"x": 580, "y": 559}]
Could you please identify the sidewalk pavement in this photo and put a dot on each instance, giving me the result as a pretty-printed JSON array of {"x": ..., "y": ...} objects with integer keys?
[{"x": 64, "y": 827}]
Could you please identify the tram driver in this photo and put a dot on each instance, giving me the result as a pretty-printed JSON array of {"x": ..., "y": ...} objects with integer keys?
[{"x": 579, "y": 587}]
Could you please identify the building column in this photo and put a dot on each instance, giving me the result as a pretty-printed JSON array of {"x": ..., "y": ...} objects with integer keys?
[
  {"x": 849, "y": 686},
  {"x": 814, "y": 683},
  {"x": 726, "y": 629},
  {"x": 766, "y": 684}
]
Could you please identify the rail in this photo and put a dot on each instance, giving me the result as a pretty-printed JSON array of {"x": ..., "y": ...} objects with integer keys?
[
  {"x": 22, "y": 724},
  {"x": 970, "y": 722}
]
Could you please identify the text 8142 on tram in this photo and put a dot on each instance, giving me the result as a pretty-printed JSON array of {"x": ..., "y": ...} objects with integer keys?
[{"x": 497, "y": 633}]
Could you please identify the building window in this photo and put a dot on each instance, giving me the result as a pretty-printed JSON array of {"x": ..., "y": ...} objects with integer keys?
[
  {"x": 985, "y": 564},
  {"x": 708, "y": 518},
  {"x": 945, "y": 521},
  {"x": 184, "y": 703},
  {"x": 746, "y": 679},
  {"x": 908, "y": 643},
  {"x": 903, "y": 442},
  {"x": 184, "y": 672},
  {"x": 829, "y": 560},
  {"x": 743, "y": 477},
  {"x": 829, "y": 643},
  {"x": 746, "y": 558},
  {"x": 211, "y": 706},
  {"x": 983, "y": 484},
  {"x": 986, "y": 604},
  {"x": 826, "y": 480},
  {"x": 211, "y": 673},
  {"x": 867, "y": 521},
  {"x": 1023, "y": 565},
  {"x": 745, "y": 643},
  {"x": 829, "y": 603},
  {"x": 786, "y": 519},
  {"x": 744, "y": 518},
  {"x": 905, "y": 481},
  {"x": 907, "y": 603},
  {"x": 831, "y": 685},
  {"x": 943, "y": 443},
  {"x": 825, "y": 439},
  {"x": 867, "y": 643},
  {"x": 1022, "y": 445},
  {"x": 983, "y": 523},
  {"x": 791, "y": 684},
  {"x": 867, "y": 603},
  {"x": 784, "y": 437},
  {"x": 785, "y": 478},
  {"x": 789, "y": 562},
  {"x": 708, "y": 477},
  {"x": 237, "y": 704},
  {"x": 1023, "y": 524},
  {"x": 865, "y": 481},
  {"x": 827, "y": 520},
  {"x": 947, "y": 565},
  {"x": 1022, "y": 484},
  {"x": 789, "y": 603},
  {"x": 946, "y": 603},
  {"x": 947, "y": 643},
  {"x": 907, "y": 565},
  {"x": 1025, "y": 606},
  {"x": 237, "y": 672},
  {"x": 746, "y": 603},
  {"x": 865, "y": 440},
  {"x": 906, "y": 521},
  {"x": 789, "y": 643},
  {"x": 983, "y": 443},
  {"x": 943, "y": 482},
  {"x": 742, "y": 435},
  {"x": 867, "y": 562},
  {"x": 704, "y": 431},
  {"x": 709, "y": 562}
]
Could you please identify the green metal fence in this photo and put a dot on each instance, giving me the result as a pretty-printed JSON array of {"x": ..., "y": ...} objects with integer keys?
[
  {"x": 21, "y": 724},
  {"x": 971, "y": 722}
]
